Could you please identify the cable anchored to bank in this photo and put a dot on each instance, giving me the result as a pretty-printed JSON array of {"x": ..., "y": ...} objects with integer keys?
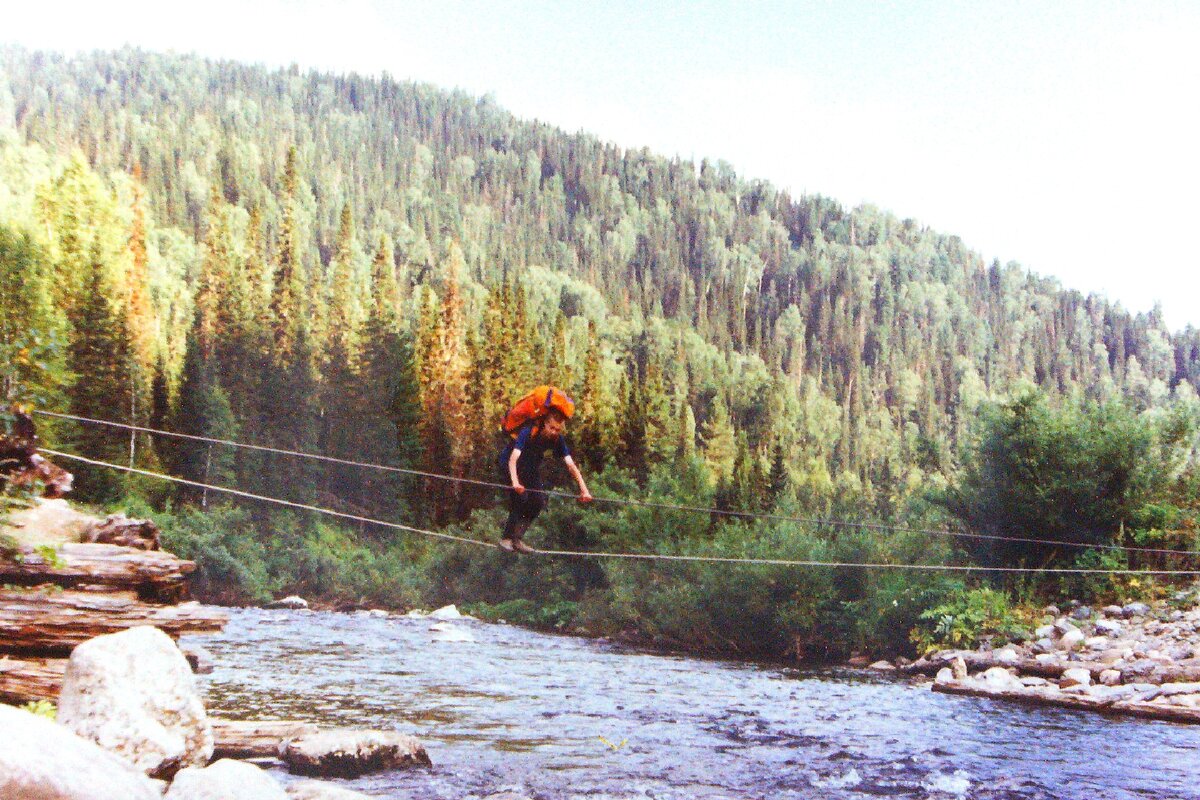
[
  {"x": 622, "y": 501},
  {"x": 782, "y": 562}
]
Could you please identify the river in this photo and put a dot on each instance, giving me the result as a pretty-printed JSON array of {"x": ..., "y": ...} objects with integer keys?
[{"x": 562, "y": 717}]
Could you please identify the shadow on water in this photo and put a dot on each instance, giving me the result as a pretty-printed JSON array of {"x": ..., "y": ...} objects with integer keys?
[{"x": 558, "y": 717}]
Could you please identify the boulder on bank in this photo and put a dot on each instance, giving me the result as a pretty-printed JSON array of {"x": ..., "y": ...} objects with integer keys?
[
  {"x": 133, "y": 694},
  {"x": 1131, "y": 610},
  {"x": 225, "y": 780},
  {"x": 140, "y": 534},
  {"x": 292, "y": 602},
  {"x": 1077, "y": 676},
  {"x": 446, "y": 612},
  {"x": 348, "y": 754},
  {"x": 44, "y": 760}
]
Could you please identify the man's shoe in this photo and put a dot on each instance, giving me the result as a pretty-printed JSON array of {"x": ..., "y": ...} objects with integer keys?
[
  {"x": 506, "y": 545},
  {"x": 521, "y": 547}
]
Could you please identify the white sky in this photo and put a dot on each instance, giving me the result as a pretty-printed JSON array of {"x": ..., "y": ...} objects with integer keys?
[{"x": 1062, "y": 135}]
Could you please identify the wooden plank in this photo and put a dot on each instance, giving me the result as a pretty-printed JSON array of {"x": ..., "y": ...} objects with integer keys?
[
  {"x": 26, "y": 679},
  {"x": 150, "y": 572},
  {"x": 52, "y": 622},
  {"x": 257, "y": 738}
]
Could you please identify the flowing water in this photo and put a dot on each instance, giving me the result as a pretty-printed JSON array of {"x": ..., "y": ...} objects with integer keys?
[{"x": 560, "y": 717}]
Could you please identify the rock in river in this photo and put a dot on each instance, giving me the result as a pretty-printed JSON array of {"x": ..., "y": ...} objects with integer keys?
[
  {"x": 320, "y": 790},
  {"x": 348, "y": 753},
  {"x": 133, "y": 694},
  {"x": 225, "y": 780},
  {"x": 445, "y": 632},
  {"x": 41, "y": 759}
]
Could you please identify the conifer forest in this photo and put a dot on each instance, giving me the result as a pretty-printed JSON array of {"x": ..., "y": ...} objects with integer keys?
[{"x": 376, "y": 270}]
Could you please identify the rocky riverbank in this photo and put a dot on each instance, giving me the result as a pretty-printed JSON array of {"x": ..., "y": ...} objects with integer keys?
[
  {"x": 1138, "y": 659},
  {"x": 90, "y": 611}
]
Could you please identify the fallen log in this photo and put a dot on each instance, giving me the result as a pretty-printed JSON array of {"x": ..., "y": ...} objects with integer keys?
[
  {"x": 1163, "y": 711},
  {"x": 1029, "y": 696},
  {"x": 1038, "y": 696},
  {"x": 154, "y": 574},
  {"x": 256, "y": 738},
  {"x": 52, "y": 622},
  {"x": 23, "y": 680}
]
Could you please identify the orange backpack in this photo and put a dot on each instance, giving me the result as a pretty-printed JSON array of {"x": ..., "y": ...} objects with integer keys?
[{"x": 534, "y": 406}]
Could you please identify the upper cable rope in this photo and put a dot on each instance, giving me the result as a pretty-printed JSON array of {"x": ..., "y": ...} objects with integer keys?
[
  {"x": 816, "y": 521},
  {"x": 783, "y": 562}
]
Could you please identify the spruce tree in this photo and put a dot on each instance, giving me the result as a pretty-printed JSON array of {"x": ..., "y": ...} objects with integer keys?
[{"x": 98, "y": 358}]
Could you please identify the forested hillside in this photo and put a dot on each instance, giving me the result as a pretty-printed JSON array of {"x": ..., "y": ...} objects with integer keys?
[{"x": 377, "y": 269}]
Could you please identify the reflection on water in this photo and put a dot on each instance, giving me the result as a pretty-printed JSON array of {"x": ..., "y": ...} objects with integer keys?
[{"x": 557, "y": 717}]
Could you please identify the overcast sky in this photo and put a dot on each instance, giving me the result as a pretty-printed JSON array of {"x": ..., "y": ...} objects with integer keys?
[{"x": 1061, "y": 135}]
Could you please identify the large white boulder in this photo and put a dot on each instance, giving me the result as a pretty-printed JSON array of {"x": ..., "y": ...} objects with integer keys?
[
  {"x": 225, "y": 780},
  {"x": 42, "y": 760},
  {"x": 133, "y": 694}
]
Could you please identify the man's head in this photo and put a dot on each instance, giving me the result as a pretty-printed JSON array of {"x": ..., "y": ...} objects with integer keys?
[{"x": 554, "y": 423}]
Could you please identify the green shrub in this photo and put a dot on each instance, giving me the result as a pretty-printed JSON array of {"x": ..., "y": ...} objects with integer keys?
[
  {"x": 966, "y": 619},
  {"x": 557, "y": 614},
  {"x": 43, "y": 708}
]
